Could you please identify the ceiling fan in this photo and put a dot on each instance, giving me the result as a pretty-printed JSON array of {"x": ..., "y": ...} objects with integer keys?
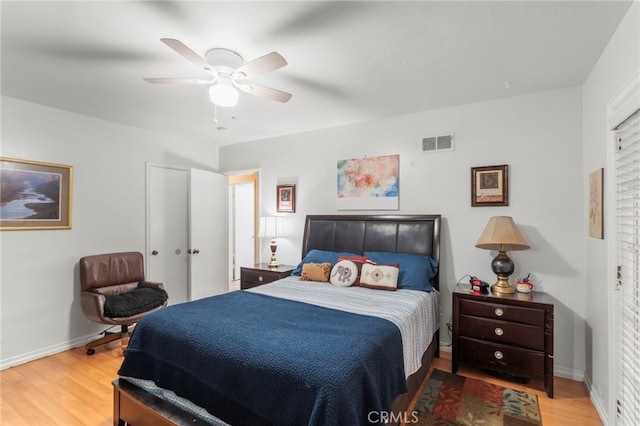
[{"x": 228, "y": 72}]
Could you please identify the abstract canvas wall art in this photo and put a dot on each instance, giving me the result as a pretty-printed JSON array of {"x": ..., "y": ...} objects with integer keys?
[{"x": 370, "y": 183}]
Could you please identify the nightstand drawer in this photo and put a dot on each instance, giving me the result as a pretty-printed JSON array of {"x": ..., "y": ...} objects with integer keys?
[
  {"x": 502, "y": 312},
  {"x": 261, "y": 274},
  {"x": 259, "y": 277},
  {"x": 523, "y": 335},
  {"x": 508, "y": 359}
]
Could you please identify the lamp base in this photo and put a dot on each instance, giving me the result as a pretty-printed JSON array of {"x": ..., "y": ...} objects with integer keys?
[
  {"x": 273, "y": 263},
  {"x": 502, "y": 286},
  {"x": 503, "y": 267}
]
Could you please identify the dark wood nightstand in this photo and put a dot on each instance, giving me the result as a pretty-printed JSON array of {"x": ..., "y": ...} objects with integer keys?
[
  {"x": 509, "y": 334},
  {"x": 262, "y": 274}
]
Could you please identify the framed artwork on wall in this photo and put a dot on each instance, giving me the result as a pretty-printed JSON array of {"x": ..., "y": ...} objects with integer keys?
[
  {"x": 596, "y": 222},
  {"x": 34, "y": 195},
  {"x": 369, "y": 183},
  {"x": 490, "y": 186},
  {"x": 286, "y": 199}
]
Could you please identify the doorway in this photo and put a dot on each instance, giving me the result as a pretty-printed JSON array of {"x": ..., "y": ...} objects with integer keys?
[{"x": 243, "y": 224}]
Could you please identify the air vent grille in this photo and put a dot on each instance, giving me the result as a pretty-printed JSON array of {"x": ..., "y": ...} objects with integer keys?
[{"x": 437, "y": 143}]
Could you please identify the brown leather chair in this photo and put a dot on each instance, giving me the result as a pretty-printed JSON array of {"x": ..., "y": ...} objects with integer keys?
[{"x": 114, "y": 291}]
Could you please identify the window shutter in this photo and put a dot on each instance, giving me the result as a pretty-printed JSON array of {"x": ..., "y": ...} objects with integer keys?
[{"x": 627, "y": 161}]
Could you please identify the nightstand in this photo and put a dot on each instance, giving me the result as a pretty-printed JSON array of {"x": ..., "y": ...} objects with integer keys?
[
  {"x": 510, "y": 334},
  {"x": 262, "y": 274}
]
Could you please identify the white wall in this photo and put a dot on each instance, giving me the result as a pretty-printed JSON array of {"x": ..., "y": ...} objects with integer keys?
[
  {"x": 616, "y": 65},
  {"x": 539, "y": 136},
  {"x": 40, "y": 286}
]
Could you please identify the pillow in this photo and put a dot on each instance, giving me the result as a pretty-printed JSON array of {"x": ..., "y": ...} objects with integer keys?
[
  {"x": 359, "y": 261},
  {"x": 319, "y": 256},
  {"x": 381, "y": 277},
  {"x": 416, "y": 271},
  {"x": 316, "y": 272},
  {"x": 344, "y": 273},
  {"x": 137, "y": 301}
]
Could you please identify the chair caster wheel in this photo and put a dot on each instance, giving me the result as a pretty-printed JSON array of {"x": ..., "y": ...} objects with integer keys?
[{"x": 91, "y": 351}]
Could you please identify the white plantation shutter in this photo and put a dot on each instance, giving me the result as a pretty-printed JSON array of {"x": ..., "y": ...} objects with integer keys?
[{"x": 627, "y": 162}]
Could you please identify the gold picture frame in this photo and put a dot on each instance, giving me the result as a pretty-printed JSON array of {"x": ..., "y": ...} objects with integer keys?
[
  {"x": 34, "y": 195},
  {"x": 596, "y": 222},
  {"x": 286, "y": 199},
  {"x": 490, "y": 186}
]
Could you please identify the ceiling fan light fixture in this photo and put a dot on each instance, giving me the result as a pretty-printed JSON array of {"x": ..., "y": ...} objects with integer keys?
[{"x": 223, "y": 94}]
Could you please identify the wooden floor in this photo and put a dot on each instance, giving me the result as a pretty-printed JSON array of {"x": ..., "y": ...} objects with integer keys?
[{"x": 71, "y": 388}]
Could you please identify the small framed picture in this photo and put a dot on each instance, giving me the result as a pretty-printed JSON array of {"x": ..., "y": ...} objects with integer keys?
[
  {"x": 490, "y": 186},
  {"x": 34, "y": 195},
  {"x": 286, "y": 199}
]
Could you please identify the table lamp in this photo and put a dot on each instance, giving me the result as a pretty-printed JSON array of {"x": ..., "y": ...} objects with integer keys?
[
  {"x": 502, "y": 234},
  {"x": 272, "y": 227}
]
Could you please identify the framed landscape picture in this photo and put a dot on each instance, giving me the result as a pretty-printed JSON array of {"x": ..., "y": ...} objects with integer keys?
[
  {"x": 490, "y": 186},
  {"x": 34, "y": 195}
]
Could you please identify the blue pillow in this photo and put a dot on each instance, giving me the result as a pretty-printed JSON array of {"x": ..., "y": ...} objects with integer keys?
[
  {"x": 416, "y": 271},
  {"x": 320, "y": 256}
]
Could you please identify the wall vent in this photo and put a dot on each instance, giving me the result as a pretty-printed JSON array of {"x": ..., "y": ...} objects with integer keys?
[{"x": 437, "y": 143}]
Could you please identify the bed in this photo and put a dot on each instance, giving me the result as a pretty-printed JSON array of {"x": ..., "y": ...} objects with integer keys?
[{"x": 294, "y": 352}]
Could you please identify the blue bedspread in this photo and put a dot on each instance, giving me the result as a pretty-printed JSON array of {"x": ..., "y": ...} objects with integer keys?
[{"x": 287, "y": 362}]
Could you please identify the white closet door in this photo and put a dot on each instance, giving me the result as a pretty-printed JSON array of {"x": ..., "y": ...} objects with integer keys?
[
  {"x": 167, "y": 230},
  {"x": 208, "y": 234}
]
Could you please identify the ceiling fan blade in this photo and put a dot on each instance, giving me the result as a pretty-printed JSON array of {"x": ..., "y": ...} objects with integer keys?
[
  {"x": 188, "y": 54},
  {"x": 177, "y": 81},
  {"x": 264, "y": 64},
  {"x": 265, "y": 92}
]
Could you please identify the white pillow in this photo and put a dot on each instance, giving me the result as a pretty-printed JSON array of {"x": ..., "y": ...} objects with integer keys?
[
  {"x": 382, "y": 277},
  {"x": 344, "y": 273}
]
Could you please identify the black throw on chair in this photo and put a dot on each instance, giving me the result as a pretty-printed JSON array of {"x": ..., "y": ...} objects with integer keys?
[{"x": 114, "y": 291}]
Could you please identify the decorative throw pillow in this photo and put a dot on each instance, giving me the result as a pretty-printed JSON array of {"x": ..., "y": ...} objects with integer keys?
[
  {"x": 359, "y": 261},
  {"x": 316, "y": 272},
  {"x": 417, "y": 272},
  {"x": 382, "y": 277},
  {"x": 344, "y": 273}
]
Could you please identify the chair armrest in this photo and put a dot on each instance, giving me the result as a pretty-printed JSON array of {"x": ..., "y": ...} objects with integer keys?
[{"x": 93, "y": 306}]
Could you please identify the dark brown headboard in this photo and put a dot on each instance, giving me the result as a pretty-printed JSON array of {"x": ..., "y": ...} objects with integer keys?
[{"x": 415, "y": 234}]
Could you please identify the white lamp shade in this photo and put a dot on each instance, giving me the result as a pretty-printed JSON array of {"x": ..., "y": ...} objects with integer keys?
[
  {"x": 223, "y": 94},
  {"x": 271, "y": 227},
  {"x": 501, "y": 233}
]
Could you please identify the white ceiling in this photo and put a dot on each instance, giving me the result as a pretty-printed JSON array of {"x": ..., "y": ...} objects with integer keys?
[{"x": 348, "y": 61}]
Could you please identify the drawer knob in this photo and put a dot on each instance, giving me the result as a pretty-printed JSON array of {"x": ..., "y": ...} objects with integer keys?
[
  {"x": 260, "y": 278},
  {"x": 499, "y": 331},
  {"x": 498, "y": 355},
  {"x": 499, "y": 312}
]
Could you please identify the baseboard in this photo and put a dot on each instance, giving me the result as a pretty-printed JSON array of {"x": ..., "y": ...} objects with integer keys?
[
  {"x": 598, "y": 404},
  {"x": 43, "y": 352},
  {"x": 568, "y": 373}
]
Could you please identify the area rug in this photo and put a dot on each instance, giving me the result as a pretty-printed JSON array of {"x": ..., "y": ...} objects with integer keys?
[{"x": 449, "y": 399}]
